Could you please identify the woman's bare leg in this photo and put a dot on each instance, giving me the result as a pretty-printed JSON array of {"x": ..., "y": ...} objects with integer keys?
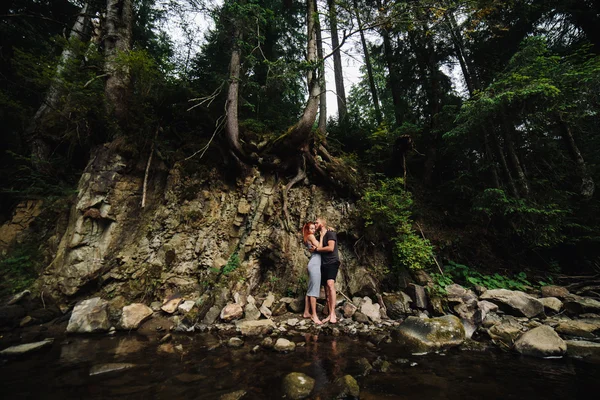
[
  {"x": 313, "y": 304},
  {"x": 306, "y": 307}
]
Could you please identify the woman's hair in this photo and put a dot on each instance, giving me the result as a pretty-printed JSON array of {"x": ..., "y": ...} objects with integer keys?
[{"x": 306, "y": 230}]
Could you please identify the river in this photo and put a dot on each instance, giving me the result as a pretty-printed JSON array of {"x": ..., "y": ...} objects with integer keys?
[{"x": 202, "y": 366}]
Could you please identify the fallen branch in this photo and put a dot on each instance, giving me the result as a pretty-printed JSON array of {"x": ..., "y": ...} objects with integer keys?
[
  {"x": 434, "y": 259},
  {"x": 148, "y": 168}
]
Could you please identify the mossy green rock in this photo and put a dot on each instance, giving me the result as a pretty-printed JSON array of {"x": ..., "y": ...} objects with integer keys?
[
  {"x": 347, "y": 387},
  {"x": 424, "y": 335},
  {"x": 297, "y": 385}
]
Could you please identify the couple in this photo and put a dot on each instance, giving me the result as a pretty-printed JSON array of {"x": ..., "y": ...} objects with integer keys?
[{"x": 322, "y": 269}]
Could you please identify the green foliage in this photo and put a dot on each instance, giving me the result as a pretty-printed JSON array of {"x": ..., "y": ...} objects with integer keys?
[
  {"x": 468, "y": 277},
  {"x": 232, "y": 264},
  {"x": 19, "y": 269},
  {"x": 386, "y": 213}
]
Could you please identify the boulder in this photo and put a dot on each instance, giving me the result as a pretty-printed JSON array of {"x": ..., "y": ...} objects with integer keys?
[
  {"x": 542, "y": 341},
  {"x": 552, "y": 305},
  {"x": 576, "y": 305},
  {"x": 370, "y": 309},
  {"x": 283, "y": 345},
  {"x": 296, "y": 305},
  {"x": 297, "y": 385},
  {"x": 486, "y": 307},
  {"x": 25, "y": 348},
  {"x": 470, "y": 316},
  {"x": 255, "y": 328},
  {"x": 269, "y": 300},
  {"x": 211, "y": 315},
  {"x": 418, "y": 295},
  {"x": 397, "y": 305},
  {"x": 133, "y": 315},
  {"x": 231, "y": 311},
  {"x": 348, "y": 309},
  {"x": 251, "y": 313},
  {"x": 347, "y": 387},
  {"x": 265, "y": 311},
  {"x": 457, "y": 294},
  {"x": 583, "y": 349},
  {"x": 360, "y": 317},
  {"x": 430, "y": 334},
  {"x": 186, "y": 306},
  {"x": 514, "y": 302},
  {"x": 505, "y": 332},
  {"x": 89, "y": 316},
  {"x": 554, "y": 291},
  {"x": 588, "y": 329}
]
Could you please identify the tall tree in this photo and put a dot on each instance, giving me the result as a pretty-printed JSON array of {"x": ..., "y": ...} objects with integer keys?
[{"x": 340, "y": 91}]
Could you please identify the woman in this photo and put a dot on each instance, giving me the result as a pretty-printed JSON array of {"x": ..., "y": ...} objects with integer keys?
[{"x": 314, "y": 272}]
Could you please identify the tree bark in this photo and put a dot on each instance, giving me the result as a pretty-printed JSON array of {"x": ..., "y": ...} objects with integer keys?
[
  {"x": 515, "y": 163},
  {"x": 587, "y": 182},
  {"x": 337, "y": 63},
  {"x": 500, "y": 153},
  {"x": 322, "y": 83},
  {"x": 40, "y": 147},
  {"x": 117, "y": 40},
  {"x": 368, "y": 65}
]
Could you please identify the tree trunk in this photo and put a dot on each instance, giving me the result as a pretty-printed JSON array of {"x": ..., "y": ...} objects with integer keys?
[
  {"x": 232, "y": 129},
  {"x": 368, "y": 65},
  {"x": 117, "y": 40},
  {"x": 299, "y": 135},
  {"x": 393, "y": 74},
  {"x": 587, "y": 182},
  {"x": 322, "y": 83},
  {"x": 515, "y": 163},
  {"x": 500, "y": 153},
  {"x": 40, "y": 148},
  {"x": 337, "y": 63}
]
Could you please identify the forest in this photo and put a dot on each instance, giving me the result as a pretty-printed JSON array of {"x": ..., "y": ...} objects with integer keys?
[{"x": 468, "y": 140}]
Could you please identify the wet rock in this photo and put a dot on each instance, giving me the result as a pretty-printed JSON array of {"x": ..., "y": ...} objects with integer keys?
[
  {"x": 551, "y": 304},
  {"x": 491, "y": 319},
  {"x": 470, "y": 316},
  {"x": 348, "y": 309},
  {"x": 235, "y": 342},
  {"x": 347, "y": 388},
  {"x": 579, "y": 305},
  {"x": 297, "y": 385},
  {"x": 579, "y": 328},
  {"x": 237, "y": 395},
  {"x": 155, "y": 305},
  {"x": 514, "y": 302},
  {"x": 170, "y": 305},
  {"x": 133, "y": 315},
  {"x": 26, "y": 348},
  {"x": 542, "y": 341},
  {"x": 89, "y": 316},
  {"x": 583, "y": 349},
  {"x": 431, "y": 334},
  {"x": 283, "y": 345},
  {"x": 370, "y": 310},
  {"x": 381, "y": 365},
  {"x": 189, "y": 378},
  {"x": 418, "y": 295},
  {"x": 212, "y": 315},
  {"x": 251, "y": 313},
  {"x": 554, "y": 291},
  {"x": 255, "y": 328},
  {"x": 108, "y": 368},
  {"x": 361, "y": 318},
  {"x": 505, "y": 333},
  {"x": 26, "y": 321},
  {"x": 267, "y": 343},
  {"x": 231, "y": 312},
  {"x": 363, "y": 366},
  {"x": 186, "y": 306}
]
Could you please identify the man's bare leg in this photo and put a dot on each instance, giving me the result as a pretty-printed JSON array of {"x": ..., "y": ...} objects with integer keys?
[{"x": 331, "y": 289}]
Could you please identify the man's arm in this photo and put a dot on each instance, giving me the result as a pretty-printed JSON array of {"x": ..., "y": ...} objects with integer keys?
[{"x": 327, "y": 249}]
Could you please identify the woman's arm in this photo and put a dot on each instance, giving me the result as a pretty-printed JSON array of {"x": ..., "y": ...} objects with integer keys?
[{"x": 313, "y": 240}]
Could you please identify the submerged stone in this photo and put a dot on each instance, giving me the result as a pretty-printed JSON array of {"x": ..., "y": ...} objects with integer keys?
[
  {"x": 26, "y": 348},
  {"x": 108, "y": 368},
  {"x": 431, "y": 334},
  {"x": 297, "y": 385}
]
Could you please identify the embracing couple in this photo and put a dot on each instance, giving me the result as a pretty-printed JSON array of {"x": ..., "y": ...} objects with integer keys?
[{"x": 322, "y": 269}]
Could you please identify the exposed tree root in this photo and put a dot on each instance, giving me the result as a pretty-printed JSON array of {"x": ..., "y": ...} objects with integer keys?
[{"x": 301, "y": 174}]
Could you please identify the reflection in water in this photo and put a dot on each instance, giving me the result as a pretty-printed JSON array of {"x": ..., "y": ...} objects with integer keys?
[{"x": 195, "y": 367}]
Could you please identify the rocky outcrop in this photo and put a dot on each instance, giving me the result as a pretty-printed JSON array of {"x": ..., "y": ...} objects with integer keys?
[
  {"x": 422, "y": 335},
  {"x": 542, "y": 341}
]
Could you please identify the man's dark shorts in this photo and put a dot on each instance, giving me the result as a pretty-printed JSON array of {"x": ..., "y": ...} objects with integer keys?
[{"x": 329, "y": 271}]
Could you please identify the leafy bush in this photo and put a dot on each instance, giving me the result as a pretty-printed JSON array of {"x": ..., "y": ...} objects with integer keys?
[
  {"x": 386, "y": 213},
  {"x": 19, "y": 270},
  {"x": 232, "y": 264}
]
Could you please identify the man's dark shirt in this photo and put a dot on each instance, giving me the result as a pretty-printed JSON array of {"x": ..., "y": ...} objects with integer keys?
[{"x": 330, "y": 257}]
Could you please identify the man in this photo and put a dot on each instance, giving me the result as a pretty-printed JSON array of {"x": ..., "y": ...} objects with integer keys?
[{"x": 330, "y": 263}]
